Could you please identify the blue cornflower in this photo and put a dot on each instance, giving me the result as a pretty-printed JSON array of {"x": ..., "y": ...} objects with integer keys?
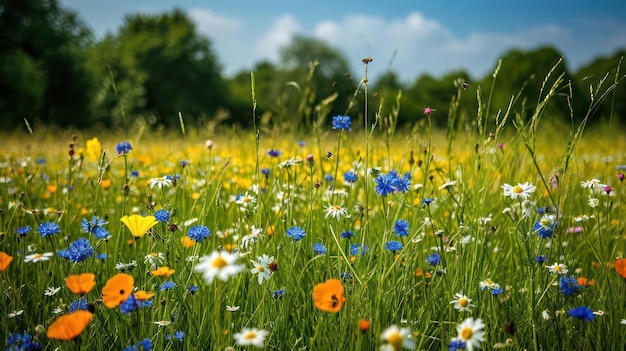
[
  {"x": 544, "y": 227},
  {"x": 569, "y": 285},
  {"x": 162, "y": 215},
  {"x": 265, "y": 172},
  {"x": 456, "y": 344},
  {"x": 78, "y": 251},
  {"x": 274, "y": 153},
  {"x": 354, "y": 249},
  {"x": 193, "y": 288},
  {"x": 135, "y": 174},
  {"x": 40, "y": 161},
  {"x": 393, "y": 246},
  {"x": 198, "y": 233},
  {"x": 296, "y": 233},
  {"x": 167, "y": 286},
  {"x": 80, "y": 304},
  {"x": 19, "y": 342},
  {"x": 347, "y": 234},
  {"x": 384, "y": 186},
  {"x": 427, "y": 201},
  {"x": 582, "y": 312},
  {"x": 329, "y": 178},
  {"x": 342, "y": 122},
  {"x": 541, "y": 259},
  {"x": 402, "y": 184},
  {"x": 401, "y": 227},
  {"x": 496, "y": 291},
  {"x": 350, "y": 177},
  {"x": 278, "y": 294},
  {"x": 22, "y": 231},
  {"x": 178, "y": 335},
  {"x": 145, "y": 344},
  {"x": 434, "y": 259},
  {"x": 346, "y": 277},
  {"x": 95, "y": 227},
  {"x": 101, "y": 256},
  {"x": 130, "y": 304},
  {"x": 124, "y": 147},
  {"x": 319, "y": 249},
  {"x": 48, "y": 228}
]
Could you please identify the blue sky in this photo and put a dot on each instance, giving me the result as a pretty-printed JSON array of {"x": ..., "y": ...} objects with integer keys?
[{"x": 433, "y": 36}]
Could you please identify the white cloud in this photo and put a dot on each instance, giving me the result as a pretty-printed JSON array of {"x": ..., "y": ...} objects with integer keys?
[
  {"x": 268, "y": 46},
  {"x": 410, "y": 45}
]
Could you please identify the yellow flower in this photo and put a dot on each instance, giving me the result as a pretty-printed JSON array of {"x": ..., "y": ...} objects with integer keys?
[
  {"x": 187, "y": 241},
  {"x": 163, "y": 272},
  {"x": 94, "y": 149},
  {"x": 139, "y": 225}
]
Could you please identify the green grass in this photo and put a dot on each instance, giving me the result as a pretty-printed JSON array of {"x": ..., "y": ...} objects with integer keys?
[{"x": 466, "y": 223}]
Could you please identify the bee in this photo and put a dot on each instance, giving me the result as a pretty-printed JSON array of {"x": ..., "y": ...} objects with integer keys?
[{"x": 329, "y": 154}]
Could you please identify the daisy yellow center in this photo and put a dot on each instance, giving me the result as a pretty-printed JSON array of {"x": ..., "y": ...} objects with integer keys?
[
  {"x": 260, "y": 268},
  {"x": 463, "y": 302},
  {"x": 395, "y": 339},
  {"x": 518, "y": 189},
  {"x": 219, "y": 262},
  {"x": 466, "y": 333},
  {"x": 246, "y": 199},
  {"x": 545, "y": 223},
  {"x": 336, "y": 208},
  {"x": 557, "y": 268},
  {"x": 249, "y": 335},
  {"x": 37, "y": 256}
]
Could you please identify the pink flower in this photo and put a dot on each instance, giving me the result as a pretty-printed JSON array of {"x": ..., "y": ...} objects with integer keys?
[
  {"x": 428, "y": 110},
  {"x": 574, "y": 230}
]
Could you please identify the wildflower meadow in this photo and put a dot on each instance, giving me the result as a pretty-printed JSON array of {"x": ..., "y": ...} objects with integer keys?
[{"x": 500, "y": 231}]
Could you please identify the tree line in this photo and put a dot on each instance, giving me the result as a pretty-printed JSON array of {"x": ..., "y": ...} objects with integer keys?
[{"x": 53, "y": 69}]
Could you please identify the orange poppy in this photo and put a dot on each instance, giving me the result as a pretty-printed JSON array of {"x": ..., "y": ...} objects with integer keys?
[
  {"x": 620, "y": 267},
  {"x": 364, "y": 325},
  {"x": 328, "y": 296},
  {"x": 4, "y": 261},
  {"x": 105, "y": 183},
  {"x": 81, "y": 284},
  {"x": 69, "y": 326},
  {"x": 582, "y": 281},
  {"x": 187, "y": 242},
  {"x": 163, "y": 272},
  {"x": 139, "y": 225},
  {"x": 117, "y": 289},
  {"x": 143, "y": 295}
]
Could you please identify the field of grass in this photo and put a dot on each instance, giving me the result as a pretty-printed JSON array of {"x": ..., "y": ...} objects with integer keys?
[{"x": 346, "y": 238}]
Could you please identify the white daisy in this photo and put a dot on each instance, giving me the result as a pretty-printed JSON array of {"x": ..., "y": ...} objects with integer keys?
[
  {"x": 15, "y": 313},
  {"x": 472, "y": 332},
  {"x": 251, "y": 336},
  {"x": 447, "y": 185},
  {"x": 462, "y": 302},
  {"x": 219, "y": 264},
  {"x": 161, "y": 182},
  {"x": 38, "y": 257},
  {"x": 261, "y": 267},
  {"x": 519, "y": 190},
  {"x": 398, "y": 338},
  {"x": 335, "y": 211},
  {"x": 558, "y": 268},
  {"x": 51, "y": 291}
]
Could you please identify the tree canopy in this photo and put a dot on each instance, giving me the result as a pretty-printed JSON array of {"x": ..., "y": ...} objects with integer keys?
[{"x": 155, "y": 66}]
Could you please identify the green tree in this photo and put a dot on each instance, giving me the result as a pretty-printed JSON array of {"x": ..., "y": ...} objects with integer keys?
[
  {"x": 163, "y": 64},
  {"x": 605, "y": 70},
  {"x": 523, "y": 74},
  {"x": 42, "y": 71},
  {"x": 320, "y": 73}
]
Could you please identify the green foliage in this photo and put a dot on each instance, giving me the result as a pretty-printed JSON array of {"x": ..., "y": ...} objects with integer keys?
[
  {"x": 157, "y": 66},
  {"x": 43, "y": 76}
]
